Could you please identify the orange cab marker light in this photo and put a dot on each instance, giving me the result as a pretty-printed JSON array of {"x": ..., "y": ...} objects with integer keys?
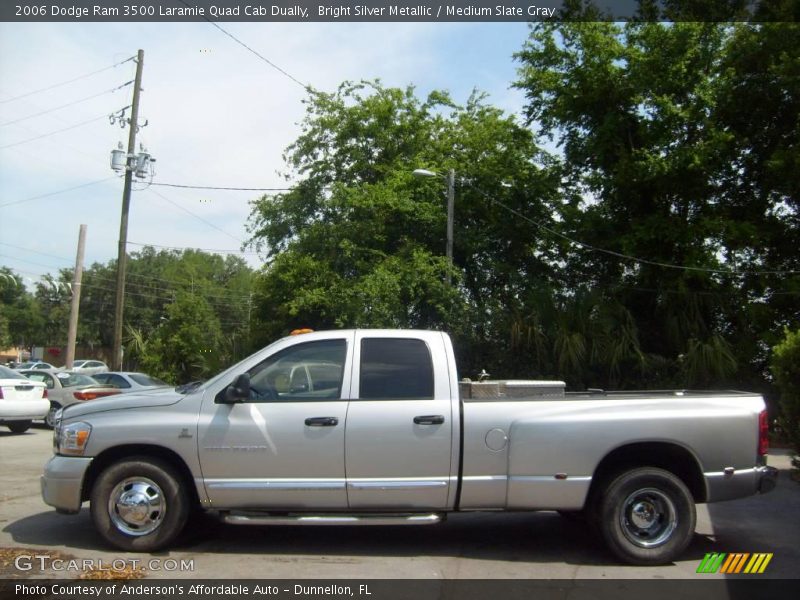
[{"x": 301, "y": 331}]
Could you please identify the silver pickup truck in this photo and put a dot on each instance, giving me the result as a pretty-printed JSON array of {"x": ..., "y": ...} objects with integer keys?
[{"x": 373, "y": 427}]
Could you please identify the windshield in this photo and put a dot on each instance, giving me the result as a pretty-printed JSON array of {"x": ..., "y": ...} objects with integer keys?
[{"x": 6, "y": 373}]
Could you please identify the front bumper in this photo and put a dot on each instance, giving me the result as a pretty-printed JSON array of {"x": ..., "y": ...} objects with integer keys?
[{"x": 62, "y": 482}]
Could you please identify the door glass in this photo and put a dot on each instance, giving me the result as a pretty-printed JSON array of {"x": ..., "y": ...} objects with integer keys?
[
  {"x": 397, "y": 369},
  {"x": 311, "y": 371}
]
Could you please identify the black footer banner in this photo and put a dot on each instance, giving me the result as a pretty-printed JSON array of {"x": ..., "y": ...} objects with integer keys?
[{"x": 402, "y": 589}]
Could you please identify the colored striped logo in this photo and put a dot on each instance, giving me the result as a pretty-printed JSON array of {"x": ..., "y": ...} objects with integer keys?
[{"x": 734, "y": 563}]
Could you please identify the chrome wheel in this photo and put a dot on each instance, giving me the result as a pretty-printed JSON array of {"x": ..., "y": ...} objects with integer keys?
[
  {"x": 648, "y": 518},
  {"x": 137, "y": 506}
]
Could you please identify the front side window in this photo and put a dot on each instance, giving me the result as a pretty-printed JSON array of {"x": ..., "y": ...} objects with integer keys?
[
  {"x": 305, "y": 372},
  {"x": 395, "y": 369}
]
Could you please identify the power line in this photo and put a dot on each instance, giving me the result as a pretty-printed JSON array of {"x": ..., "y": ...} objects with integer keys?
[
  {"x": 91, "y": 275},
  {"x": 241, "y": 252},
  {"x": 49, "y": 110},
  {"x": 306, "y": 87},
  {"x": 32, "y": 250},
  {"x": 44, "y": 135},
  {"x": 234, "y": 189},
  {"x": 619, "y": 254},
  {"x": 55, "y": 85},
  {"x": 77, "y": 187},
  {"x": 30, "y": 262},
  {"x": 198, "y": 217}
]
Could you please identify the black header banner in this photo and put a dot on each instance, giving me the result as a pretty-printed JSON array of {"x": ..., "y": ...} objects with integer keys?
[{"x": 391, "y": 11}]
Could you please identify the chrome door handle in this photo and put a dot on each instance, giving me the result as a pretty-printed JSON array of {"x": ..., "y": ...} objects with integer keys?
[
  {"x": 322, "y": 421},
  {"x": 429, "y": 420}
]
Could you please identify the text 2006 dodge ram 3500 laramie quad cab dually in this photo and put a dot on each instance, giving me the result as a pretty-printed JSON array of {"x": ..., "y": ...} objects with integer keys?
[{"x": 373, "y": 427}]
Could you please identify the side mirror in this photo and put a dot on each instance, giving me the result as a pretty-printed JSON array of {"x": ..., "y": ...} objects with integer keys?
[{"x": 237, "y": 392}]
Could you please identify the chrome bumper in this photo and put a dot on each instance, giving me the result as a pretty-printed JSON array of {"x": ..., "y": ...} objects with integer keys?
[
  {"x": 741, "y": 483},
  {"x": 62, "y": 482}
]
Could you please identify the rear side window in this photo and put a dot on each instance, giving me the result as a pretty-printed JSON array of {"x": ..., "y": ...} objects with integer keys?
[{"x": 396, "y": 369}]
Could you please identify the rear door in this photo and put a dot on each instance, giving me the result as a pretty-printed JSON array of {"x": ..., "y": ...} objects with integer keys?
[{"x": 398, "y": 444}]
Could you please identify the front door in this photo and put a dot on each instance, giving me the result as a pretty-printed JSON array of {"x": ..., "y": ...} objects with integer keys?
[
  {"x": 284, "y": 447},
  {"x": 398, "y": 447}
]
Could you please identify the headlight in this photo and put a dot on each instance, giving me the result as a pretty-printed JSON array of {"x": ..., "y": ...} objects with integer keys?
[{"x": 72, "y": 439}]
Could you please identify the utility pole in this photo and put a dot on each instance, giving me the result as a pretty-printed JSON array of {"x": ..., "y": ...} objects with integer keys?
[
  {"x": 451, "y": 194},
  {"x": 72, "y": 334},
  {"x": 116, "y": 350}
]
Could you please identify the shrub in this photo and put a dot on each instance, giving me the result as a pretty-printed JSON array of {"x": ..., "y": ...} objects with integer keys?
[{"x": 786, "y": 370}]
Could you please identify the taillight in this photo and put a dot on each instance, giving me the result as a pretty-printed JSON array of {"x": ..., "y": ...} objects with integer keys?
[
  {"x": 93, "y": 395},
  {"x": 44, "y": 395},
  {"x": 1, "y": 393},
  {"x": 763, "y": 433}
]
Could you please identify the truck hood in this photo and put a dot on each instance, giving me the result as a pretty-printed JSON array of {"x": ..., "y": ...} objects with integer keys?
[{"x": 149, "y": 399}]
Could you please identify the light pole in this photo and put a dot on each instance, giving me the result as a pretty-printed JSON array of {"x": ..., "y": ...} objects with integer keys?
[{"x": 451, "y": 196}]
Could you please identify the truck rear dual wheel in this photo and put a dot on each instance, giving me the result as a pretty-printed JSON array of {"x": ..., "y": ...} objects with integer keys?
[
  {"x": 139, "y": 504},
  {"x": 646, "y": 516}
]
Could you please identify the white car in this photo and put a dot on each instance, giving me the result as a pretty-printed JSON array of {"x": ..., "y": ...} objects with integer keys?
[
  {"x": 89, "y": 367},
  {"x": 21, "y": 400},
  {"x": 33, "y": 364}
]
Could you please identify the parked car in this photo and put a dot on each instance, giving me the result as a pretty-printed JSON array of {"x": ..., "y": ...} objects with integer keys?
[
  {"x": 21, "y": 400},
  {"x": 33, "y": 364},
  {"x": 89, "y": 367},
  {"x": 128, "y": 382},
  {"x": 65, "y": 388}
]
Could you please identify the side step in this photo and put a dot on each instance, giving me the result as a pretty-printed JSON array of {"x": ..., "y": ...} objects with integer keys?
[{"x": 255, "y": 518}]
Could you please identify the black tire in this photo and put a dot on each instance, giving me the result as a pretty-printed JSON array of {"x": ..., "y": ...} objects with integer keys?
[
  {"x": 19, "y": 426},
  {"x": 50, "y": 418},
  {"x": 139, "y": 504},
  {"x": 646, "y": 516}
]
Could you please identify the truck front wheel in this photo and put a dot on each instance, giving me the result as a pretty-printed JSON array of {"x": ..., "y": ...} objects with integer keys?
[
  {"x": 139, "y": 504},
  {"x": 646, "y": 516}
]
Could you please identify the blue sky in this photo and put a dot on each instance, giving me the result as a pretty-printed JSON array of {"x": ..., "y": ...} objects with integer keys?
[{"x": 217, "y": 115}]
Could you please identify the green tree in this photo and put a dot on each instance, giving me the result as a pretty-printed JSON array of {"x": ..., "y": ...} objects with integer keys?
[
  {"x": 679, "y": 148},
  {"x": 786, "y": 370},
  {"x": 19, "y": 311},
  {"x": 360, "y": 241},
  {"x": 188, "y": 343}
]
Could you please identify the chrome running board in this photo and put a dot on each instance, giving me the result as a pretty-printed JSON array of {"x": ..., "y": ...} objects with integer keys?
[{"x": 344, "y": 519}]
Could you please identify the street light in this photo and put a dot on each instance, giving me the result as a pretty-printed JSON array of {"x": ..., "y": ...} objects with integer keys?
[{"x": 451, "y": 193}]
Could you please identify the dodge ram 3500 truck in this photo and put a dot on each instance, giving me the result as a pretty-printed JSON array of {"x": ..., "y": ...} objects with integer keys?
[{"x": 373, "y": 427}]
